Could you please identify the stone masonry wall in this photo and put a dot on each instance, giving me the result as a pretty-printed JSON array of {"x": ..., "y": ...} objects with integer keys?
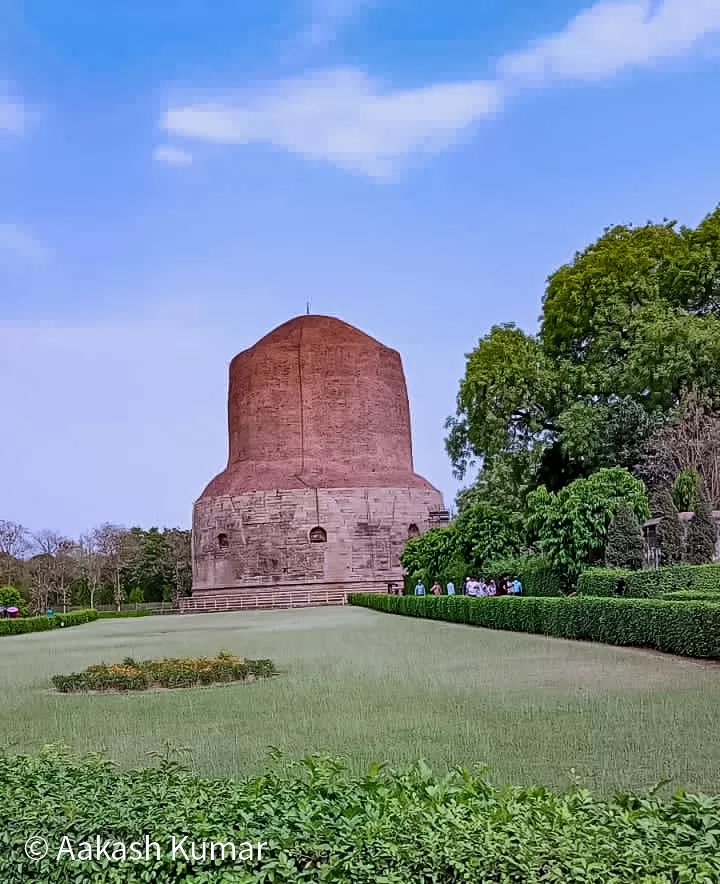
[{"x": 267, "y": 536}]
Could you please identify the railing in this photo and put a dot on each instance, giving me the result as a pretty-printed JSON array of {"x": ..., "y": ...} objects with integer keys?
[
  {"x": 244, "y": 599},
  {"x": 652, "y": 557},
  {"x": 236, "y": 601}
]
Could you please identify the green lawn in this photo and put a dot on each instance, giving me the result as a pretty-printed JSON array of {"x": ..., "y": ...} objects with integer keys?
[{"x": 375, "y": 687}]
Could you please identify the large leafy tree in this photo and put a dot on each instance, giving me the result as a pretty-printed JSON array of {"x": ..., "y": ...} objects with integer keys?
[
  {"x": 431, "y": 554},
  {"x": 570, "y": 527},
  {"x": 629, "y": 325},
  {"x": 485, "y": 532},
  {"x": 506, "y": 401}
]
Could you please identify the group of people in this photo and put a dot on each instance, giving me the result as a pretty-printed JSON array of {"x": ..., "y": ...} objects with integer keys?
[{"x": 476, "y": 588}]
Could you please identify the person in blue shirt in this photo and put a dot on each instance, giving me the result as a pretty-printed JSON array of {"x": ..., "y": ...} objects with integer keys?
[
  {"x": 516, "y": 587},
  {"x": 419, "y": 589},
  {"x": 451, "y": 588}
]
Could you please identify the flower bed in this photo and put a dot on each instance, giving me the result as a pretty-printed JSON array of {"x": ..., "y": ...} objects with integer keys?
[{"x": 131, "y": 675}]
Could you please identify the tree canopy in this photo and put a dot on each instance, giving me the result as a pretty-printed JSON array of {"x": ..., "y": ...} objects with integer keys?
[
  {"x": 627, "y": 328},
  {"x": 570, "y": 527}
]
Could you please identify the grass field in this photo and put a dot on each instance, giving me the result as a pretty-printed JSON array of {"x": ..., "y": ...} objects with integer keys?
[{"x": 375, "y": 687}]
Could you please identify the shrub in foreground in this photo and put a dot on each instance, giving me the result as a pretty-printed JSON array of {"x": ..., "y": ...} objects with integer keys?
[
  {"x": 131, "y": 675},
  {"x": 43, "y": 624},
  {"x": 691, "y": 629},
  {"x": 319, "y": 823}
]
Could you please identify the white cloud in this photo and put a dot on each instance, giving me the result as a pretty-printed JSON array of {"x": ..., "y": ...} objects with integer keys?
[
  {"x": 611, "y": 36},
  {"x": 172, "y": 156},
  {"x": 344, "y": 117},
  {"x": 329, "y": 16},
  {"x": 18, "y": 242}
]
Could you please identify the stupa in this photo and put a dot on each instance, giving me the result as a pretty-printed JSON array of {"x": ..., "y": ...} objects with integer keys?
[{"x": 319, "y": 496}]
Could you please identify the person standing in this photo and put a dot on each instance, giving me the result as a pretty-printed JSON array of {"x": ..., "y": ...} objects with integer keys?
[
  {"x": 517, "y": 587},
  {"x": 419, "y": 588},
  {"x": 451, "y": 588},
  {"x": 436, "y": 589}
]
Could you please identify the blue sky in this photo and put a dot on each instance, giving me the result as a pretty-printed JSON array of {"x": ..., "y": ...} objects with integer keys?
[{"x": 177, "y": 178}]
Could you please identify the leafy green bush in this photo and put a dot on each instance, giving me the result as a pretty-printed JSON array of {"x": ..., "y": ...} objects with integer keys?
[
  {"x": 690, "y": 629},
  {"x": 113, "y": 615},
  {"x": 10, "y": 597},
  {"x": 320, "y": 823},
  {"x": 131, "y": 675},
  {"x": 685, "y": 489},
  {"x": 570, "y": 527},
  {"x": 43, "y": 624}
]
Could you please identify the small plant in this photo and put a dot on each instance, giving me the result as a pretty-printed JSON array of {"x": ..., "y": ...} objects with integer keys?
[{"x": 131, "y": 675}]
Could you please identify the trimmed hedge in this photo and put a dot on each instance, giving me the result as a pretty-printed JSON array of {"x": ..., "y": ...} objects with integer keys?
[
  {"x": 603, "y": 581},
  {"x": 114, "y": 615},
  {"x": 692, "y": 595},
  {"x": 23, "y": 625},
  {"x": 689, "y": 629},
  {"x": 650, "y": 583}
]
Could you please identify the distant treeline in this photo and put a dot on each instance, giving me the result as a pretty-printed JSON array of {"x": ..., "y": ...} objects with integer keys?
[{"x": 108, "y": 565}]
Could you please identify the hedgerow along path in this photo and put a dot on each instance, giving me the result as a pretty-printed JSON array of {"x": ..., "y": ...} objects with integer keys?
[{"x": 376, "y": 688}]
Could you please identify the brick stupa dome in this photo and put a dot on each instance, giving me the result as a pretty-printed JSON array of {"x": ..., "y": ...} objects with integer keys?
[
  {"x": 317, "y": 403},
  {"x": 319, "y": 496}
]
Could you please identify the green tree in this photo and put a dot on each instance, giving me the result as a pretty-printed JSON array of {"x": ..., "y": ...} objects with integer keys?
[
  {"x": 627, "y": 327},
  {"x": 597, "y": 435},
  {"x": 670, "y": 532},
  {"x": 702, "y": 533},
  {"x": 506, "y": 398},
  {"x": 684, "y": 490},
  {"x": 625, "y": 547},
  {"x": 432, "y": 554},
  {"x": 136, "y": 597},
  {"x": 484, "y": 532},
  {"x": 570, "y": 527}
]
